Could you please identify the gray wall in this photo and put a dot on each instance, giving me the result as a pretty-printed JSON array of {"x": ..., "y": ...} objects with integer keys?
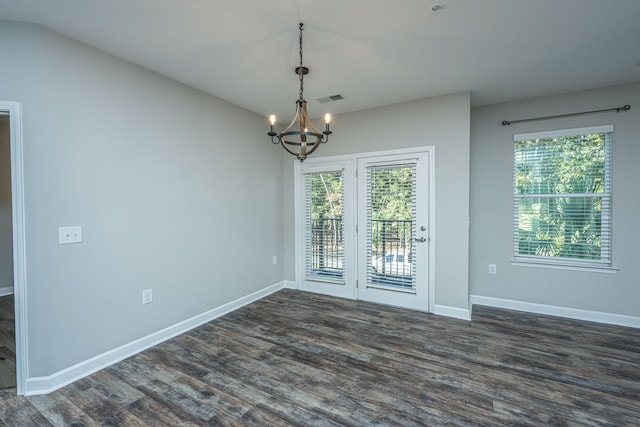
[
  {"x": 442, "y": 122},
  {"x": 176, "y": 191},
  {"x": 491, "y": 204},
  {"x": 6, "y": 239}
]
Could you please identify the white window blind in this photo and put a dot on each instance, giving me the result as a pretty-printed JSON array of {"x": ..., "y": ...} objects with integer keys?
[
  {"x": 324, "y": 241},
  {"x": 391, "y": 209},
  {"x": 562, "y": 197}
]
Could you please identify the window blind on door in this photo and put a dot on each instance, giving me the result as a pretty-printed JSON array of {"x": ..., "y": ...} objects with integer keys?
[
  {"x": 324, "y": 225},
  {"x": 391, "y": 209}
]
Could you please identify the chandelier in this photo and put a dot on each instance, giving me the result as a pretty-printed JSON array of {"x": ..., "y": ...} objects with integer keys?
[{"x": 304, "y": 139}]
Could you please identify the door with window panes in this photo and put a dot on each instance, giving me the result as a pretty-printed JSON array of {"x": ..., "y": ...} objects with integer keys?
[
  {"x": 393, "y": 237},
  {"x": 328, "y": 264},
  {"x": 365, "y": 235}
]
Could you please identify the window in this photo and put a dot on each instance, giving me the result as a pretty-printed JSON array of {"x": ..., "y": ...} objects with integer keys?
[
  {"x": 324, "y": 225},
  {"x": 391, "y": 195},
  {"x": 562, "y": 197}
]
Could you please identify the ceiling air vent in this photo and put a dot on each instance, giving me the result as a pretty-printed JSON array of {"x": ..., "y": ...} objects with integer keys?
[{"x": 331, "y": 98}]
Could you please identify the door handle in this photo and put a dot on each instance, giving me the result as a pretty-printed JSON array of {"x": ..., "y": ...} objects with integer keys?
[{"x": 420, "y": 239}]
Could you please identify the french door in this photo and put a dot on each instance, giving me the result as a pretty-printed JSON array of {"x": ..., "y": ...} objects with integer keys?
[
  {"x": 325, "y": 241},
  {"x": 393, "y": 237},
  {"x": 363, "y": 227}
]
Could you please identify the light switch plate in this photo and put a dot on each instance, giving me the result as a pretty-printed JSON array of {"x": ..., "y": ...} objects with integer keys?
[
  {"x": 69, "y": 235},
  {"x": 147, "y": 296}
]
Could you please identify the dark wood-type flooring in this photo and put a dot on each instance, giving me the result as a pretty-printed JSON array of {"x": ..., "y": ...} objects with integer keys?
[
  {"x": 7, "y": 343},
  {"x": 295, "y": 358}
]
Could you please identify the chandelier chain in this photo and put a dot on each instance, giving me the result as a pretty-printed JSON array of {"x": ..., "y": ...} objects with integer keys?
[{"x": 301, "y": 74}]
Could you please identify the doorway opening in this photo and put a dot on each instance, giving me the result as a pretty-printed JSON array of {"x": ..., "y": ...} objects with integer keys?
[
  {"x": 7, "y": 318},
  {"x": 12, "y": 250}
]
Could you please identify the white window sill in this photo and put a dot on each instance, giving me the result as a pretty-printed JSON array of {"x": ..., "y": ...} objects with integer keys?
[{"x": 541, "y": 264}]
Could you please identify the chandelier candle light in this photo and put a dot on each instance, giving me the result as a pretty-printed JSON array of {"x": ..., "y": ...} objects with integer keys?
[{"x": 307, "y": 139}]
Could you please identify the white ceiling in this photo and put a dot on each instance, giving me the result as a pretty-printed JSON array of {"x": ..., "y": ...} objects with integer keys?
[{"x": 374, "y": 52}]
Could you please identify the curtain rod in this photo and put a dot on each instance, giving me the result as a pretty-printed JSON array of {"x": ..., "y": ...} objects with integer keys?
[{"x": 617, "y": 110}]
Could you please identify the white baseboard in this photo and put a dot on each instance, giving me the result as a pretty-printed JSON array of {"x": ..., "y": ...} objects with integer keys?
[
  {"x": 552, "y": 310},
  {"x": 290, "y": 284},
  {"x": 458, "y": 313},
  {"x": 44, "y": 385},
  {"x": 6, "y": 291}
]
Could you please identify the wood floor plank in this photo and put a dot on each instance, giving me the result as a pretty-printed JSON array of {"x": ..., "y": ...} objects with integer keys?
[
  {"x": 18, "y": 411},
  {"x": 375, "y": 375},
  {"x": 173, "y": 399},
  {"x": 7, "y": 343},
  {"x": 283, "y": 381},
  {"x": 105, "y": 411},
  {"x": 226, "y": 406},
  {"x": 360, "y": 363},
  {"x": 7, "y": 367},
  {"x": 296, "y": 358},
  {"x": 154, "y": 413},
  {"x": 227, "y": 375},
  {"x": 115, "y": 389},
  {"x": 320, "y": 388},
  {"x": 230, "y": 407},
  {"x": 59, "y": 410}
]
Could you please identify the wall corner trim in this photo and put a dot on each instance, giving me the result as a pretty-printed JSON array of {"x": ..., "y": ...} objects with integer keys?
[
  {"x": 48, "y": 384},
  {"x": 552, "y": 310},
  {"x": 455, "y": 312}
]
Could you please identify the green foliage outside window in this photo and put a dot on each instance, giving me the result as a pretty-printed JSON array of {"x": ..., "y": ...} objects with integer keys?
[
  {"x": 391, "y": 190},
  {"x": 326, "y": 195},
  {"x": 391, "y": 208},
  {"x": 561, "y": 189}
]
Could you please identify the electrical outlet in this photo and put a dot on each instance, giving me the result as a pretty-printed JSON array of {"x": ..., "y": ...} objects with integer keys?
[
  {"x": 493, "y": 269},
  {"x": 274, "y": 260},
  {"x": 67, "y": 235},
  {"x": 147, "y": 296}
]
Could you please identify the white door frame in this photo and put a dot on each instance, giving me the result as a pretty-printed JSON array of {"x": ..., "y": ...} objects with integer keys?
[
  {"x": 353, "y": 158},
  {"x": 14, "y": 109}
]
